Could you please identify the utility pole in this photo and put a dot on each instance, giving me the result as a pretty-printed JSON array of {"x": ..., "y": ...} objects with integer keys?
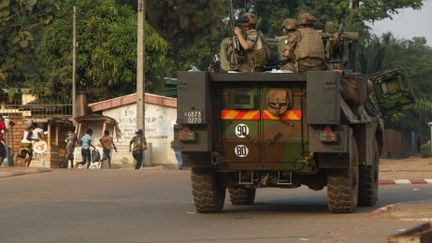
[
  {"x": 140, "y": 86},
  {"x": 74, "y": 113}
]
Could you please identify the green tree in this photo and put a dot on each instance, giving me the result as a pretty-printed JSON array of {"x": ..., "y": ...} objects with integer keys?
[
  {"x": 371, "y": 56},
  {"x": 195, "y": 28},
  {"x": 415, "y": 57},
  {"x": 106, "y": 53},
  {"x": 21, "y": 23}
]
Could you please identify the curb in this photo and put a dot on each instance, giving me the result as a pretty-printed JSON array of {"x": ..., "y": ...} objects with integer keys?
[
  {"x": 23, "y": 172},
  {"x": 405, "y": 181},
  {"x": 381, "y": 210}
]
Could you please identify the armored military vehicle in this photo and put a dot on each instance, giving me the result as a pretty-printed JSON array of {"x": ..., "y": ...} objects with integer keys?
[{"x": 243, "y": 131}]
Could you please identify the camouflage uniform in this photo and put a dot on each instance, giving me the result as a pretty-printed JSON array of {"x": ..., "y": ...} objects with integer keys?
[
  {"x": 309, "y": 48},
  {"x": 254, "y": 58},
  {"x": 333, "y": 45},
  {"x": 291, "y": 36}
]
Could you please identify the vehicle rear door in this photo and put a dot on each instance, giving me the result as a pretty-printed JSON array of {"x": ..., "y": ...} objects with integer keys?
[
  {"x": 392, "y": 91},
  {"x": 241, "y": 115},
  {"x": 283, "y": 130}
]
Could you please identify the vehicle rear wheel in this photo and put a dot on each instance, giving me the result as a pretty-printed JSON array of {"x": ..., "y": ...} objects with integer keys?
[
  {"x": 368, "y": 184},
  {"x": 208, "y": 193},
  {"x": 242, "y": 195},
  {"x": 342, "y": 184}
]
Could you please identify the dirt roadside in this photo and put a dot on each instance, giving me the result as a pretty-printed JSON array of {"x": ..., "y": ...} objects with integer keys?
[{"x": 413, "y": 167}]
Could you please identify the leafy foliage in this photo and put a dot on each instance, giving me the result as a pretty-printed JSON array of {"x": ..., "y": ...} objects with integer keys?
[
  {"x": 106, "y": 53},
  {"x": 21, "y": 23},
  {"x": 184, "y": 33},
  {"x": 195, "y": 28},
  {"x": 415, "y": 57},
  {"x": 372, "y": 10},
  {"x": 425, "y": 151}
]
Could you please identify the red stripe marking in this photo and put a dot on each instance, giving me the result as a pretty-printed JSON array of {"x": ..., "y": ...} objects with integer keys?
[
  {"x": 418, "y": 181},
  {"x": 256, "y": 116},
  {"x": 387, "y": 182},
  {"x": 285, "y": 117},
  {"x": 268, "y": 116},
  {"x": 240, "y": 115},
  {"x": 224, "y": 113}
]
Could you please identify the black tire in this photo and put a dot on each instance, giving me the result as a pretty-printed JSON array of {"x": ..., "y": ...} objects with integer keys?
[
  {"x": 242, "y": 195},
  {"x": 342, "y": 184},
  {"x": 208, "y": 193},
  {"x": 368, "y": 183}
]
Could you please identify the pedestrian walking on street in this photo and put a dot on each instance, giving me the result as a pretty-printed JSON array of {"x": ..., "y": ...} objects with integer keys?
[
  {"x": 107, "y": 144},
  {"x": 71, "y": 141},
  {"x": 85, "y": 148},
  {"x": 26, "y": 149},
  {"x": 139, "y": 146}
]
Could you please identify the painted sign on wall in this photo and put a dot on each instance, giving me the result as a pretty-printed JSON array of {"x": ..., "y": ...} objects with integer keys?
[{"x": 159, "y": 121}]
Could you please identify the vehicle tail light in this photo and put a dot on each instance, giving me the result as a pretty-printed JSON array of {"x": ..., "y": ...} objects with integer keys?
[
  {"x": 187, "y": 135},
  {"x": 328, "y": 135}
]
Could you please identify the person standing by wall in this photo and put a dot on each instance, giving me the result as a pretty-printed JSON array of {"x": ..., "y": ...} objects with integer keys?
[
  {"x": 139, "y": 146},
  {"x": 107, "y": 144},
  {"x": 179, "y": 157},
  {"x": 85, "y": 148}
]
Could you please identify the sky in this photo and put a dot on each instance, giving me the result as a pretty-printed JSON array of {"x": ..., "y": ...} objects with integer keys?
[{"x": 408, "y": 23}]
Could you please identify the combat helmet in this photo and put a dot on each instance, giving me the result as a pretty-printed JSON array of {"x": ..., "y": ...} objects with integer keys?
[
  {"x": 306, "y": 19},
  {"x": 289, "y": 24},
  {"x": 330, "y": 27},
  {"x": 248, "y": 19}
]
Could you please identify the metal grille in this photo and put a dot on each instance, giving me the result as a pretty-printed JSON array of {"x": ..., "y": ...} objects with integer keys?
[{"x": 39, "y": 108}]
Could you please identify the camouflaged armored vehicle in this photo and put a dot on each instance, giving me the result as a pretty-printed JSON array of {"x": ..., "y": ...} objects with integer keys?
[{"x": 243, "y": 131}]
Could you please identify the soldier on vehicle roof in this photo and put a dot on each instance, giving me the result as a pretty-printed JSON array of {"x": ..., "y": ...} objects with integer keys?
[
  {"x": 251, "y": 43},
  {"x": 289, "y": 28},
  {"x": 308, "y": 48},
  {"x": 333, "y": 44}
]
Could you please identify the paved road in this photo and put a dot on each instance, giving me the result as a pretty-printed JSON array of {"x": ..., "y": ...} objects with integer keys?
[{"x": 156, "y": 206}]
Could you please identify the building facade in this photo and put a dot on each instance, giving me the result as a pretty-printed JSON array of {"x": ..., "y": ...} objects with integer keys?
[{"x": 160, "y": 116}]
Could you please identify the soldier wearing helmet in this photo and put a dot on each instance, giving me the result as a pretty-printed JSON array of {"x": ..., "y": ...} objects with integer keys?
[
  {"x": 289, "y": 28},
  {"x": 333, "y": 46},
  {"x": 289, "y": 25},
  {"x": 309, "y": 47},
  {"x": 251, "y": 42}
]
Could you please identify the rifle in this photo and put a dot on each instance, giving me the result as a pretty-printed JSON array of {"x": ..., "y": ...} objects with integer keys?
[
  {"x": 341, "y": 28},
  {"x": 214, "y": 65},
  {"x": 235, "y": 40}
]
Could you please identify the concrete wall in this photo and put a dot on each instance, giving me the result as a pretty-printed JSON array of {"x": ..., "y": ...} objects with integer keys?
[{"x": 158, "y": 131}]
